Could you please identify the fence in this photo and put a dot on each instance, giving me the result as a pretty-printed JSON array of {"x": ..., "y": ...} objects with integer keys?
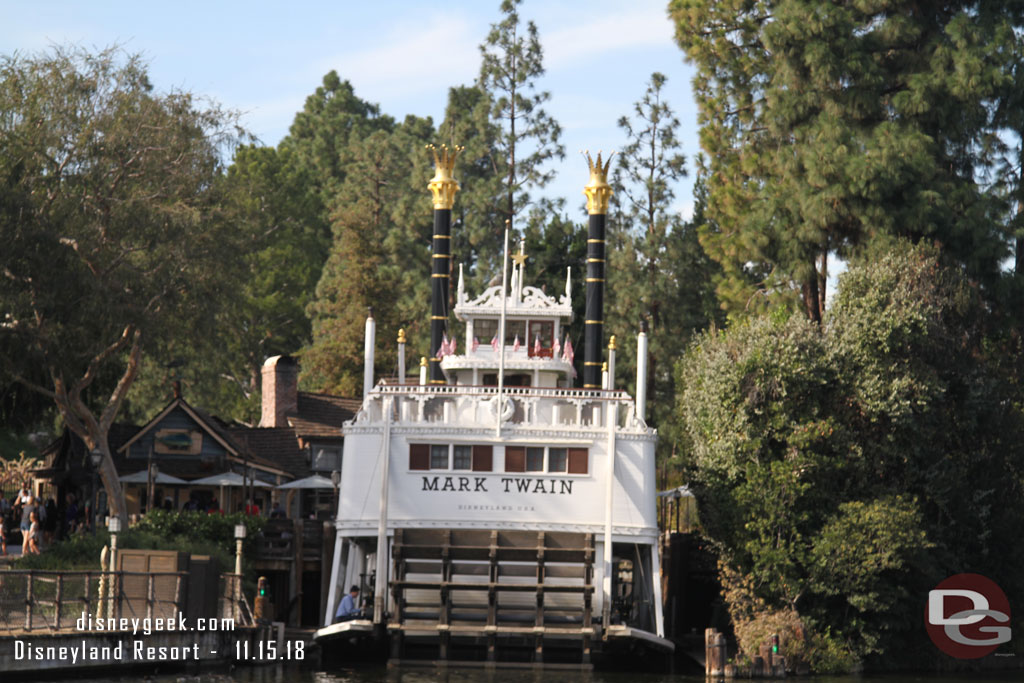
[{"x": 32, "y": 600}]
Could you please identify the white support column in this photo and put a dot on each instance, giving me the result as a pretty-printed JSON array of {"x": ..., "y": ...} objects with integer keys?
[
  {"x": 606, "y": 580},
  {"x": 610, "y": 385},
  {"x": 401, "y": 356},
  {"x": 641, "y": 375},
  {"x": 368, "y": 343},
  {"x": 659, "y": 617},
  {"x": 380, "y": 587},
  {"x": 332, "y": 590}
]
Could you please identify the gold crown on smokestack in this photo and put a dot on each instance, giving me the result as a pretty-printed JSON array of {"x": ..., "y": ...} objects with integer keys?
[
  {"x": 597, "y": 189},
  {"x": 443, "y": 186}
]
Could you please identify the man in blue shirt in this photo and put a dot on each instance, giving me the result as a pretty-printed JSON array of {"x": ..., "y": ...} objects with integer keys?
[{"x": 348, "y": 609}]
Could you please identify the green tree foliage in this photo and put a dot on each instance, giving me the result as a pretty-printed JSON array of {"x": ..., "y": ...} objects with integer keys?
[
  {"x": 277, "y": 218},
  {"x": 527, "y": 136},
  {"x": 332, "y": 118},
  {"x": 477, "y": 220},
  {"x": 843, "y": 470},
  {"x": 827, "y": 125},
  {"x": 657, "y": 269},
  {"x": 379, "y": 259},
  {"x": 112, "y": 228}
]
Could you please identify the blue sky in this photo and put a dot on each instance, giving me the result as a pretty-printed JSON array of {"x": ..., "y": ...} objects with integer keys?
[{"x": 264, "y": 58}]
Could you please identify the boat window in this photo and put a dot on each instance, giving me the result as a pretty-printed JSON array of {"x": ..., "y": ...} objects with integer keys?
[
  {"x": 463, "y": 459},
  {"x": 485, "y": 329},
  {"x": 534, "y": 459},
  {"x": 557, "y": 459},
  {"x": 439, "y": 456},
  {"x": 541, "y": 331},
  {"x": 515, "y": 328}
]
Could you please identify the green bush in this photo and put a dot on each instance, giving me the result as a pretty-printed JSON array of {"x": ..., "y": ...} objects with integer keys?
[{"x": 196, "y": 533}]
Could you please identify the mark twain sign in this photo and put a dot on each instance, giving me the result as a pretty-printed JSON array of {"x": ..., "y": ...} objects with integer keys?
[{"x": 507, "y": 485}]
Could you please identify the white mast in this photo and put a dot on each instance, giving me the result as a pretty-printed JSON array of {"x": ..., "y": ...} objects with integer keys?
[{"x": 501, "y": 338}]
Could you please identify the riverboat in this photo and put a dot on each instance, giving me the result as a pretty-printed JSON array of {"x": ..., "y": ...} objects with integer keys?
[{"x": 492, "y": 511}]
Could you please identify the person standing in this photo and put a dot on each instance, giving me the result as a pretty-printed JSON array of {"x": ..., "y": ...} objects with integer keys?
[
  {"x": 27, "y": 508},
  {"x": 30, "y": 543}
]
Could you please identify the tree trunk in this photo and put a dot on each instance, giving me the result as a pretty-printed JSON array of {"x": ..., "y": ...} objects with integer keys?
[{"x": 809, "y": 291}]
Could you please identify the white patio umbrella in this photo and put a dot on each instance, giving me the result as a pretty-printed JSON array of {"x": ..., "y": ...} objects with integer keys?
[
  {"x": 313, "y": 482},
  {"x": 142, "y": 477},
  {"x": 228, "y": 479}
]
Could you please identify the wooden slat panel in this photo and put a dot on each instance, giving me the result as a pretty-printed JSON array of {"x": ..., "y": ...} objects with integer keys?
[
  {"x": 483, "y": 458},
  {"x": 578, "y": 461},
  {"x": 515, "y": 459},
  {"x": 419, "y": 456}
]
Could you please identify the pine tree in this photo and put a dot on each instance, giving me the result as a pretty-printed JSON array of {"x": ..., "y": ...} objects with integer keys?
[
  {"x": 528, "y": 136},
  {"x": 381, "y": 222},
  {"x": 828, "y": 125},
  {"x": 476, "y": 216},
  {"x": 656, "y": 265}
]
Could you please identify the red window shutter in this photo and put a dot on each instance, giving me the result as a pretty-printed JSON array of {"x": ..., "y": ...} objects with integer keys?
[
  {"x": 419, "y": 456},
  {"x": 515, "y": 459},
  {"x": 578, "y": 461},
  {"x": 483, "y": 458}
]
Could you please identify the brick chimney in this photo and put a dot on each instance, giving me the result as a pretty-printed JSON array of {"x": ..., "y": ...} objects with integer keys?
[{"x": 280, "y": 391}]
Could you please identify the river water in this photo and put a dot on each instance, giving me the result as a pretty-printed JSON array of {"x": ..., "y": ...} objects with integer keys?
[{"x": 293, "y": 674}]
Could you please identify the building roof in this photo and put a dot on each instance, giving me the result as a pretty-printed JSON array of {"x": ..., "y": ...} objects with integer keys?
[
  {"x": 322, "y": 415},
  {"x": 319, "y": 417},
  {"x": 277, "y": 445}
]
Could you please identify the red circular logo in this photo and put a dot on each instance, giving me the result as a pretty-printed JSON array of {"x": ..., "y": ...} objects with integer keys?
[{"x": 967, "y": 616}]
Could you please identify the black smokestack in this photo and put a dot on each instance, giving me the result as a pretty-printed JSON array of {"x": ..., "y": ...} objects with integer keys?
[
  {"x": 598, "y": 192},
  {"x": 443, "y": 188}
]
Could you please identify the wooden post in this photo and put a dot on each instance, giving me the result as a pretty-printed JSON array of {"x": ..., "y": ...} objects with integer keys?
[
  {"x": 297, "y": 572},
  {"x": 178, "y": 606},
  {"x": 714, "y": 653},
  {"x": 57, "y": 600},
  {"x": 87, "y": 592},
  {"x": 118, "y": 593},
  {"x": 150, "y": 594},
  {"x": 28, "y": 601}
]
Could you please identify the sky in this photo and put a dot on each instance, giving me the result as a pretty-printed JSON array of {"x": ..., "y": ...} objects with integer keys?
[{"x": 263, "y": 59}]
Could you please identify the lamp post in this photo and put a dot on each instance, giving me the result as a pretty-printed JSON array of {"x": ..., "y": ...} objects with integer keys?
[
  {"x": 239, "y": 537},
  {"x": 114, "y": 527},
  {"x": 336, "y": 480},
  {"x": 95, "y": 458},
  {"x": 151, "y": 485}
]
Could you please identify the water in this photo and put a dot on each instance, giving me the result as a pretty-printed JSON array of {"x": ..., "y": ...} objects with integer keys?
[{"x": 295, "y": 674}]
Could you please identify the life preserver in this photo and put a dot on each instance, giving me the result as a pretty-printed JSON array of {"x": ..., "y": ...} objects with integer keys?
[{"x": 507, "y": 408}]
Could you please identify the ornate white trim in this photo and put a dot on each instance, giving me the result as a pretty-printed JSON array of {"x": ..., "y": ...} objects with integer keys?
[
  {"x": 508, "y": 431},
  {"x": 534, "y": 302},
  {"x": 359, "y": 527},
  {"x": 488, "y": 360}
]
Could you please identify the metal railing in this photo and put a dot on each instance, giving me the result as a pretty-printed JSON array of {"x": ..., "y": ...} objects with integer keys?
[
  {"x": 279, "y": 538},
  {"x": 522, "y": 407}
]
